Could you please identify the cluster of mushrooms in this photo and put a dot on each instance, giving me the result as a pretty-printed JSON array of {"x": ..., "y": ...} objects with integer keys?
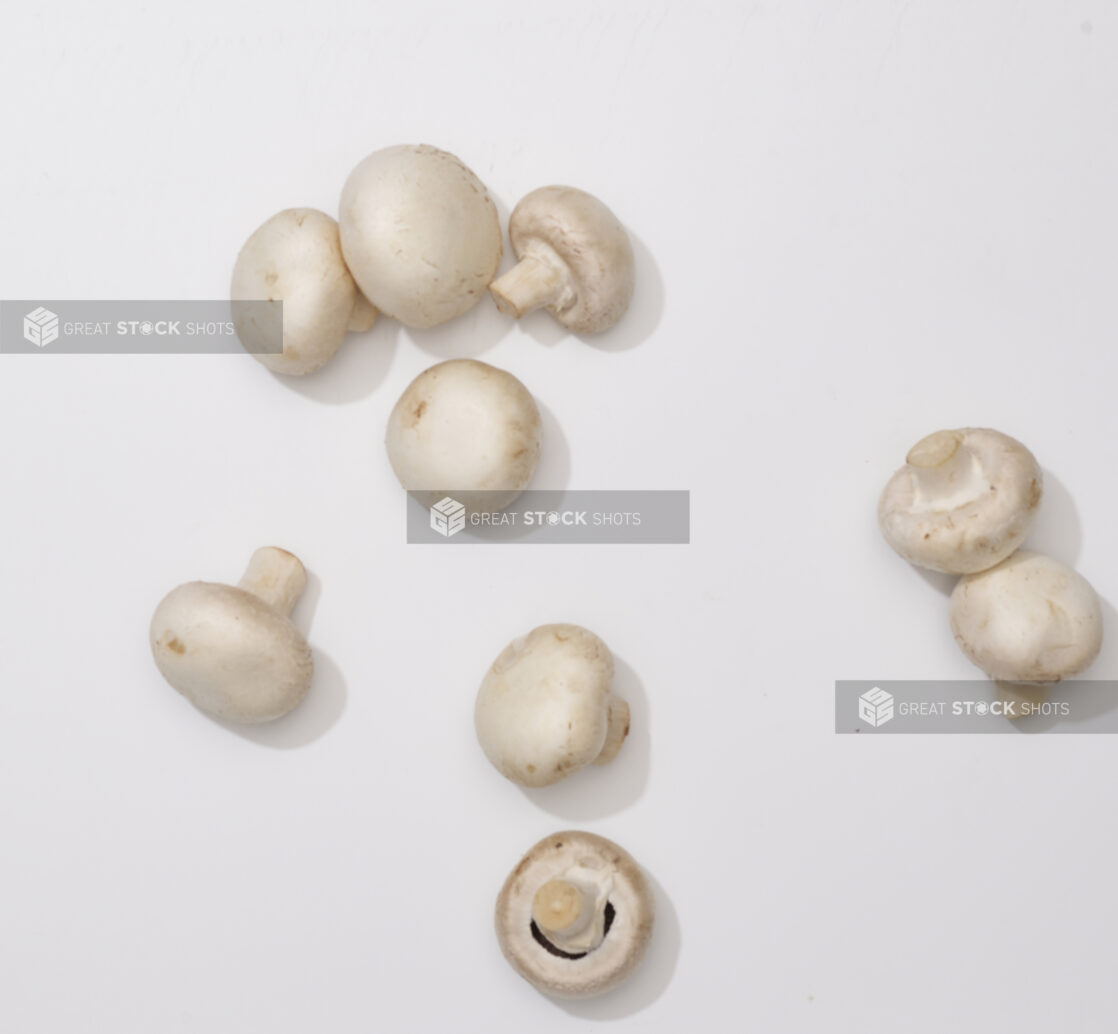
[
  {"x": 962, "y": 504},
  {"x": 418, "y": 240}
]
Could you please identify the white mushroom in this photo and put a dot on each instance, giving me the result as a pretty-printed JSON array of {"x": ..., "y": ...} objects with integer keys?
[
  {"x": 963, "y": 502},
  {"x": 575, "y": 916},
  {"x": 575, "y": 260},
  {"x": 465, "y": 429},
  {"x": 546, "y": 708},
  {"x": 420, "y": 234},
  {"x": 1030, "y": 619},
  {"x": 296, "y": 258},
  {"x": 233, "y": 651}
]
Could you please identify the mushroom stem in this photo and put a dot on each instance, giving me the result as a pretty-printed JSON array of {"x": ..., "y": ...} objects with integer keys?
[
  {"x": 561, "y": 907},
  {"x": 1021, "y": 698},
  {"x": 363, "y": 316},
  {"x": 945, "y": 471},
  {"x": 534, "y": 282},
  {"x": 570, "y": 908},
  {"x": 276, "y": 577},
  {"x": 934, "y": 450},
  {"x": 617, "y": 731}
]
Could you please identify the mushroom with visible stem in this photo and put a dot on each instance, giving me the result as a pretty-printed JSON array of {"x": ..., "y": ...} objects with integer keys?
[
  {"x": 963, "y": 502},
  {"x": 575, "y": 917},
  {"x": 296, "y": 258},
  {"x": 232, "y": 651},
  {"x": 547, "y": 708},
  {"x": 465, "y": 429},
  {"x": 575, "y": 260},
  {"x": 1029, "y": 619},
  {"x": 419, "y": 233}
]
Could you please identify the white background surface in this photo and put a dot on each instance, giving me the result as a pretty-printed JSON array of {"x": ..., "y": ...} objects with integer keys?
[{"x": 856, "y": 223}]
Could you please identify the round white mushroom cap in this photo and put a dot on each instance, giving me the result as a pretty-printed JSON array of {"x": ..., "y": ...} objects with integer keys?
[
  {"x": 466, "y": 429},
  {"x": 547, "y": 708},
  {"x": 963, "y": 502},
  {"x": 575, "y": 917},
  {"x": 296, "y": 258},
  {"x": 576, "y": 261},
  {"x": 420, "y": 234},
  {"x": 232, "y": 651},
  {"x": 1030, "y": 619}
]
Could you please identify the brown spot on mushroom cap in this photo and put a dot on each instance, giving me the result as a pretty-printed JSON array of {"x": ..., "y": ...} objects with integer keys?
[{"x": 175, "y": 646}]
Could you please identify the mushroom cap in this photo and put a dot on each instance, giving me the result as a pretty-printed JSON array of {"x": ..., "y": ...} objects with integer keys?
[
  {"x": 628, "y": 934},
  {"x": 420, "y": 233},
  {"x": 229, "y": 653},
  {"x": 296, "y": 257},
  {"x": 589, "y": 240},
  {"x": 975, "y": 520},
  {"x": 464, "y": 427},
  {"x": 543, "y": 709},
  {"x": 1030, "y": 619}
]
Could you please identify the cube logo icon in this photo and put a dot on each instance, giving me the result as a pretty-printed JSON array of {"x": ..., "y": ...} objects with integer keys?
[
  {"x": 448, "y": 516},
  {"x": 875, "y": 706},
  {"x": 40, "y": 327}
]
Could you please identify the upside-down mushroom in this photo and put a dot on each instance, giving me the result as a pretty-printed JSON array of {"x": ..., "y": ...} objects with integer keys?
[
  {"x": 963, "y": 501},
  {"x": 575, "y": 917}
]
